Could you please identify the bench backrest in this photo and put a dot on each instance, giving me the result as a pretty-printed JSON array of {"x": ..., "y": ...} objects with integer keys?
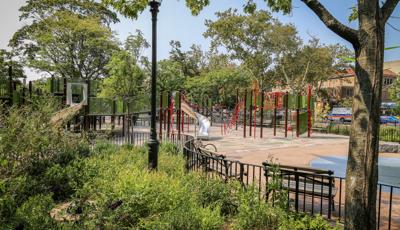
[{"x": 302, "y": 174}]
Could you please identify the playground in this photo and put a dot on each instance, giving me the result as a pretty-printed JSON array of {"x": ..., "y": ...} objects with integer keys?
[{"x": 263, "y": 122}]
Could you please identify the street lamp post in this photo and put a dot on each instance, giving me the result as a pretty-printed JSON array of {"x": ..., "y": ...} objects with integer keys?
[{"x": 153, "y": 142}]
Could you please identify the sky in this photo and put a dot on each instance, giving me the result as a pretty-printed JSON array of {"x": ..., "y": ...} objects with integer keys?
[{"x": 175, "y": 22}]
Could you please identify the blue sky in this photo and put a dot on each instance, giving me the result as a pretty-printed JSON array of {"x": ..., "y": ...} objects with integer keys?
[{"x": 177, "y": 23}]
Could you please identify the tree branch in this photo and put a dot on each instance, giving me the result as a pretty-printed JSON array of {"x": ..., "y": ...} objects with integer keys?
[
  {"x": 388, "y": 8},
  {"x": 332, "y": 23}
]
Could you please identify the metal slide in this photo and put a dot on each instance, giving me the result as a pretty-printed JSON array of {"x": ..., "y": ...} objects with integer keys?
[{"x": 204, "y": 122}]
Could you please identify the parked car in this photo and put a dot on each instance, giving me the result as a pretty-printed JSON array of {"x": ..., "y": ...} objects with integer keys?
[
  {"x": 389, "y": 120},
  {"x": 340, "y": 114}
]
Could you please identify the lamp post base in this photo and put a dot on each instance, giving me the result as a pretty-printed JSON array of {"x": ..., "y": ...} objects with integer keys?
[{"x": 153, "y": 153}]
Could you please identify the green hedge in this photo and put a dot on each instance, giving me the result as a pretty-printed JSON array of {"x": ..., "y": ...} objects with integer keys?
[{"x": 386, "y": 133}]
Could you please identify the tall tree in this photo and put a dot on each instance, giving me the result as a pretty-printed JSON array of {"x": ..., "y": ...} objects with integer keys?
[
  {"x": 67, "y": 45},
  {"x": 191, "y": 62},
  {"x": 6, "y": 61},
  {"x": 252, "y": 39},
  {"x": 38, "y": 10},
  {"x": 136, "y": 45},
  {"x": 311, "y": 64},
  {"x": 126, "y": 79},
  {"x": 170, "y": 75},
  {"x": 68, "y": 38}
]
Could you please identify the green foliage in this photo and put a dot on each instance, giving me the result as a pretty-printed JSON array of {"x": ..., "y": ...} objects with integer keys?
[
  {"x": 126, "y": 79},
  {"x": 5, "y": 62},
  {"x": 110, "y": 187},
  {"x": 253, "y": 214},
  {"x": 37, "y": 10},
  {"x": 347, "y": 102},
  {"x": 67, "y": 45},
  {"x": 190, "y": 62},
  {"x": 136, "y": 44},
  {"x": 252, "y": 39},
  {"x": 35, "y": 213},
  {"x": 170, "y": 76},
  {"x": 219, "y": 85},
  {"x": 35, "y": 161},
  {"x": 305, "y": 222},
  {"x": 311, "y": 64}
]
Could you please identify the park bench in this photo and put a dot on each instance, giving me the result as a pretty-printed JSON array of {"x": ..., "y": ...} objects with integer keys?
[
  {"x": 211, "y": 161},
  {"x": 313, "y": 182}
]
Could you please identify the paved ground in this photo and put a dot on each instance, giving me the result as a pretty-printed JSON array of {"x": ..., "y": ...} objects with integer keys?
[{"x": 292, "y": 151}]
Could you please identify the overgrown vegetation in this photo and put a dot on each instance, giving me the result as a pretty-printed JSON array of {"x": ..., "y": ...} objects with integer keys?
[{"x": 51, "y": 180}]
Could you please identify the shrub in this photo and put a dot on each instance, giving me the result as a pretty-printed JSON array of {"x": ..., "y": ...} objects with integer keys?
[
  {"x": 35, "y": 160},
  {"x": 35, "y": 213}
]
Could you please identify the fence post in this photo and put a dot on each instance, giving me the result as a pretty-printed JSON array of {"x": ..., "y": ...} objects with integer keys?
[
  {"x": 250, "y": 111},
  {"x": 296, "y": 200},
  {"x": 275, "y": 111},
  {"x": 298, "y": 115},
  {"x": 262, "y": 114},
  {"x": 286, "y": 112},
  {"x": 178, "y": 113},
  {"x": 265, "y": 169},
  {"x": 237, "y": 103},
  {"x": 169, "y": 115},
  {"x": 241, "y": 172},
  {"x": 244, "y": 113},
  {"x": 330, "y": 195}
]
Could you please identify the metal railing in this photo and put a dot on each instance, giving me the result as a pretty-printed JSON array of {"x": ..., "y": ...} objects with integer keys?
[{"x": 307, "y": 190}]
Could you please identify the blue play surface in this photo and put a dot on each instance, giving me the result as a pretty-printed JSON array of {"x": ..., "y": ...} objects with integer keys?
[{"x": 389, "y": 167}]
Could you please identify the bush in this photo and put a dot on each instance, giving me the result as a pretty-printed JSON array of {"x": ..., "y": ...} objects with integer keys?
[
  {"x": 110, "y": 187},
  {"x": 35, "y": 161},
  {"x": 35, "y": 213}
]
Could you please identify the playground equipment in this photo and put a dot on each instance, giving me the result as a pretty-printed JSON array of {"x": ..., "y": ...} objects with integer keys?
[
  {"x": 89, "y": 110},
  {"x": 203, "y": 121},
  {"x": 254, "y": 109},
  {"x": 64, "y": 115},
  {"x": 172, "y": 111}
]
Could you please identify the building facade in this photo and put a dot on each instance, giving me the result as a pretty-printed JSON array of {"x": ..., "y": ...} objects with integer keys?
[{"x": 341, "y": 85}]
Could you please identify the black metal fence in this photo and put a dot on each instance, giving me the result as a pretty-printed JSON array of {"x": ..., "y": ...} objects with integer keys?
[{"x": 306, "y": 190}]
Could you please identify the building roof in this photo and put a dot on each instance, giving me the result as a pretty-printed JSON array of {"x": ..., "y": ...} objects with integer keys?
[{"x": 349, "y": 72}]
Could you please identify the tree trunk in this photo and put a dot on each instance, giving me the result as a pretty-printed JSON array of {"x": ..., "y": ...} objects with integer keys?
[{"x": 362, "y": 165}]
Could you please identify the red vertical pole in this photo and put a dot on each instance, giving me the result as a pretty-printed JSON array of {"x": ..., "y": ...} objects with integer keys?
[
  {"x": 262, "y": 114},
  {"x": 179, "y": 113},
  {"x": 286, "y": 112},
  {"x": 255, "y": 113},
  {"x": 309, "y": 111},
  {"x": 237, "y": 103},
  {"x": 250, "y": 111},
  {"x": 298, "y": 116},
  {"x": 169, "y": 115},
  {"x": 244, "y": 113},
  {"x": 165, "y": 118},
  {"x": 275, "y": 111}
]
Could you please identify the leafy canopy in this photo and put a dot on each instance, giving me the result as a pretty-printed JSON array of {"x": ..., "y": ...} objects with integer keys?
[
  {"x": 67, "y": 45},
  {"x": 255, "y": 40}
]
